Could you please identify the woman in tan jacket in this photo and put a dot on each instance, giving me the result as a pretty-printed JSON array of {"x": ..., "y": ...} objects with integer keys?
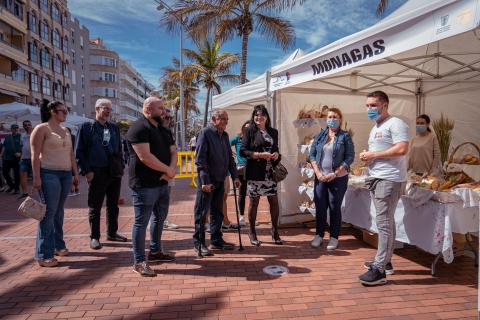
[{"x": 424, "y": 153}]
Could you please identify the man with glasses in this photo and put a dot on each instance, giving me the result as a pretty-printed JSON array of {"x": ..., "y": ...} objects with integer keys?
[
  {"x": 387, "y": 167},
  {"x": 214, "y": 160},
  {"x": 25, "y": 161},
  {"x": 11, "y": 153},
  {"x": 99, "y": 155}
]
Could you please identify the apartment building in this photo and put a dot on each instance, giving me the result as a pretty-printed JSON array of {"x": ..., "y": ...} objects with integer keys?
[
  {"x": 34, "y": 51},
  {"x": 104, "y": 76},
  {"x": 80, "y": 67},
  {"x": 134, "y": 89}
]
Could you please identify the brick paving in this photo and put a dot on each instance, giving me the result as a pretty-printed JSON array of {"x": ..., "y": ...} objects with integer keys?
[{"x": 231, "y": 285}]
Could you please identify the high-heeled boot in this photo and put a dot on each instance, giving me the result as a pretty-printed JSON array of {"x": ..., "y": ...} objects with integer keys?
[
  {"x": 252, "y": 217},
  {"x": 274, "y": 215}
]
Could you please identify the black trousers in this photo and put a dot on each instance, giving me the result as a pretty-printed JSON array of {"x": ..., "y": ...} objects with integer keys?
[
  {"x": 204, "y": 202},
  {"x": 103, "y": 184},
  {"x": 15, "y": 166}
]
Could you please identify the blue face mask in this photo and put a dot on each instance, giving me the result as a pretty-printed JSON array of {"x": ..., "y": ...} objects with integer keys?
[
  {"x": 421, "y": 128},
  {"x": 333, "y": 123},
  {"x": 373, "y": 114}
]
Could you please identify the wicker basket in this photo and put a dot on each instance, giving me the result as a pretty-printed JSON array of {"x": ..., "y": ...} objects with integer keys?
[{"x": 450, "y": 159}]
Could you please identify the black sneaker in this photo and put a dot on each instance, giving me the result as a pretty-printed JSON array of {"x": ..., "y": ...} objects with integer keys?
[
  {"x": 373, "y": 277},
  {"x": 160, "y": 257},
  {"x": 388, "y": 267},
  {"x": 222, "y": 246}
]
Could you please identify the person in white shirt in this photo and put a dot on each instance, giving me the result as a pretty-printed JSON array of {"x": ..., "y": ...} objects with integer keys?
[{"x": 387, "y": 166}]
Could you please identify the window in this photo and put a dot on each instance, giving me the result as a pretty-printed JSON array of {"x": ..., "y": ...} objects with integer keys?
[
  {"x": 57, "y": 64},
  {"x": 110, "y": 77},
  {"x": 65, "y": 44},
  {"x": 66, "y": 69},
  {"x": 66, "y": 92},
  {"x": 56, "y": 38},
  {"x": 73, "y": 57},
  {"x": 43, "y": 5},
  {"x": 109, "y": 62},
  {"x": 83, "y": 82},
  {"x": 111, "y": 93},
  {"x": 81, "y": 62},
  {"x": 81, "y": 42},
  {"x": 15, "y": 7},
  {"x": 44, "y": 30},
  {"x": 57, "y": 89},
  {"x": 55, "y": 12},
  {"x": 33, "y": 51},
  {"x": 64, "y": 20},
  {"x": 83, "y": 101},
  {"x": 45, "y": 58},
  {"x": 46, "y": 90},
  {"x": 73, "y": 37},
  {"x": 32, "y": 22},
  {"x": 34, "y": 82}
]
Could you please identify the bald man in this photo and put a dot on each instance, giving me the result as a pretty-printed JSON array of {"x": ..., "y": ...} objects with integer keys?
[{"x": 153, "y": 164}]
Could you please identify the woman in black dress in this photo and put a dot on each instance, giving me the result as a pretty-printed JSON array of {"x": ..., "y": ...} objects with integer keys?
[{"x": 260, "y": 147}]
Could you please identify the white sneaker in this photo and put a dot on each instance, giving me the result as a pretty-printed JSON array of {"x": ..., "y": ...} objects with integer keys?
[
  {"x": 317, "y": 241},
  {"x": 170, "y": 225},
  {"x": 332, "y": 244},
  {"x": 242, "y": 221}
]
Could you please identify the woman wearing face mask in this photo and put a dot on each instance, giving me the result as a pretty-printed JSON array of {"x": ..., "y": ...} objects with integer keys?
[
  {"x": 331, "y": 155},
  {"x": 424, "y": 153}
]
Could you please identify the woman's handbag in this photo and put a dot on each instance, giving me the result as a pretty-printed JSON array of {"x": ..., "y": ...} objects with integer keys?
[
  {"x": 31, "y": 208},
  {"x": 279, "y": 173}
]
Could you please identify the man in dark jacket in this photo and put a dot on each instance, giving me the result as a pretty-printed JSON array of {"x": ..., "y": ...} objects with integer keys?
[
  {"x": 213, "y": 159},
  {"x": 99, "y": 155},
  {"x": 11, "y": 159}
]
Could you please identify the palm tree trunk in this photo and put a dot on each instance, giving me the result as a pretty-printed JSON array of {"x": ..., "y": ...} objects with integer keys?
[
  {"x": 207, "y": 103},
  {"x": 243, "y": 65}
]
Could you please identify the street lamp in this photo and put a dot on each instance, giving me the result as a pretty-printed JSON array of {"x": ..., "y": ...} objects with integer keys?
[{"x": 161, "y": 6}]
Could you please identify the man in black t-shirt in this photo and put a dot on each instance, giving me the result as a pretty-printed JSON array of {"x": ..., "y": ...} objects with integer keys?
[{"x": 153, "y": 160}]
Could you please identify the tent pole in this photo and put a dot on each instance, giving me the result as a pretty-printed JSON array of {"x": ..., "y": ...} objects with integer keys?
[
  {"x": 419, "y": 96},
  {"x": 270, "y": 102}
]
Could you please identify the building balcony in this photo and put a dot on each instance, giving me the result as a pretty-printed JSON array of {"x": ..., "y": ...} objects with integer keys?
[
  {"x": 127, "y": 117},
  {"x": 9, "y": 83},
  {"x": 128, "y": 80},
  {"x": 11, "y": 19},
  {"x": 128, "y": 104},
  {"x": 128, "y": 92},
  {"x": 13, "y": 52}
]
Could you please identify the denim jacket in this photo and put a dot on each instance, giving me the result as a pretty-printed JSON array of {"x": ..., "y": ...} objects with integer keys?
[{"x": 343, "y": 149}]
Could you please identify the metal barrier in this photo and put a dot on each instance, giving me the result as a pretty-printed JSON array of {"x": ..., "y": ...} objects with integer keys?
[{"x": 186, "y": 167}]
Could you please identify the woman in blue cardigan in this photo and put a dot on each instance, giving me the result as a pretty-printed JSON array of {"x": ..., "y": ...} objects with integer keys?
[{"x": 331, "y": 155}]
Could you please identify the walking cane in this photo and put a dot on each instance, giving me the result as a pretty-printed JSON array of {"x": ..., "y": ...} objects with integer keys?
[{"x": 238, "y": 219}]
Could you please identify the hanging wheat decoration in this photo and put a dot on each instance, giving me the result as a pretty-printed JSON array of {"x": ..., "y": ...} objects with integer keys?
[{"x": 443, "y": 128}]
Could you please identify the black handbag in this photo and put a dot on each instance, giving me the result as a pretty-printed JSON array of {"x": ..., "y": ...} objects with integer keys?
[{"x": 279, "y": 173}]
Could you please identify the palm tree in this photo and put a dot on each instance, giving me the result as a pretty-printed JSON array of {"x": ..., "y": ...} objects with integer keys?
[
  {"x": 231, "y": 18},
  {"x": 170, "y": 83},
  {"x": 210, "y": 67}
]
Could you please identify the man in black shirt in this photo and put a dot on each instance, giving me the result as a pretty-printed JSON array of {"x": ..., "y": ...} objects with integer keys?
[
  {"x": 99, "y": 155},
  {"x": 213, "y": 159},
  {"x": 153, "y": 160}
]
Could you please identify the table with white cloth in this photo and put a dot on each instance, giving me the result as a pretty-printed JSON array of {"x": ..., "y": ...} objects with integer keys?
[{"x": 428, "y": 226}]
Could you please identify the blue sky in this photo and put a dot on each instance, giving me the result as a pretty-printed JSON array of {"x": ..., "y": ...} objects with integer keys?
[{"x": 131, "y": 27}]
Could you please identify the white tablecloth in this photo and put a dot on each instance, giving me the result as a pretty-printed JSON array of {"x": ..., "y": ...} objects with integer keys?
[{"x": 428, "y": 227}]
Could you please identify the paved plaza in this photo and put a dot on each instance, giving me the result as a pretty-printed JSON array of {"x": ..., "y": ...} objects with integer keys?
[{"x": 100, "y": 284}]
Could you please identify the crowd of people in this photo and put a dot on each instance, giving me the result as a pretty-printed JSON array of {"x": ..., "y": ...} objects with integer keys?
[{"x": 47, "y": 153}]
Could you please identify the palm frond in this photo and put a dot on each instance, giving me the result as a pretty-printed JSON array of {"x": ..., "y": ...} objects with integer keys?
[
  {"x": 278, "y": 30},
  {"x": 382, "y": 5}
]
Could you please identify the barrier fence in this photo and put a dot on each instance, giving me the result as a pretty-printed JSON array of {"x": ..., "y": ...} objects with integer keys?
[{"x": 186, "y": 167}]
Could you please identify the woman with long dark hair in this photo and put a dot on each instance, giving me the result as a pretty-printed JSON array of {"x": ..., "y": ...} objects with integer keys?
[
  {"x": 260, "y": 147},
  {"x": 53, "y": 163},
  {"x": 241, "y": 169}
]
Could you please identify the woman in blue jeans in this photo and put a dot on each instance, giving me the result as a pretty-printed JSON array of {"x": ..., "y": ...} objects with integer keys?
[
  {"x": 53, "y": 163},
  {"x": 331, "y": 155}
]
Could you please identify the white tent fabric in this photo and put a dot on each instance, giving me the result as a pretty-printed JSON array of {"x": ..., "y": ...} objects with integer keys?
[
  {"x": 16, "y": 112},
  {"x": 425, "y": 55}
]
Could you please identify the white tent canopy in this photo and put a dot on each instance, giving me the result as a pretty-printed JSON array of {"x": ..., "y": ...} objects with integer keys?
[
  {"x": 425, "y": 55},
  {"x": 16, "y": 112}
]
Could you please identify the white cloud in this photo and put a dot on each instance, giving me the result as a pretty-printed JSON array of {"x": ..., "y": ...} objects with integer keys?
[{"x": 113, "y": 12}]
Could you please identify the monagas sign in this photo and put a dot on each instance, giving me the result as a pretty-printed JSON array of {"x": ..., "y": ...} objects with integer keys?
[{"x": 355, "y": 55}]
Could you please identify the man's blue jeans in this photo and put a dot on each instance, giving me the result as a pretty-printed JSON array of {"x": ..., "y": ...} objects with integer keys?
[
  {"x": 145, "y": 202},
  {"x": 55, "y": 187}
]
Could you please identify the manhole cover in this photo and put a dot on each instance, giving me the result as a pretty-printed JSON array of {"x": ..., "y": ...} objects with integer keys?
[{"x": 275, "y": 270}]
